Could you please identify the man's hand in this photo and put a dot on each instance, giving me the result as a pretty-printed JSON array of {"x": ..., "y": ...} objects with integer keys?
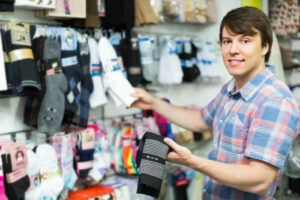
[
  {"x": 145, "y": 100},
  {"x": 179, "y": 154}
]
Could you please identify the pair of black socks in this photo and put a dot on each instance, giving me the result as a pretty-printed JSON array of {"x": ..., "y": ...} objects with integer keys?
[{"x": 151, "y": 158}]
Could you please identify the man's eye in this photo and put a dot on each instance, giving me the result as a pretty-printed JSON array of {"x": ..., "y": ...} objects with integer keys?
[
  {"x": 226, "y": 41},
  {"x": 245, "y": 41}
]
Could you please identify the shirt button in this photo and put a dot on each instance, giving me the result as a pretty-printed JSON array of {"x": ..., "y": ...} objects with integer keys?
[{"x": 221, "y": 120}]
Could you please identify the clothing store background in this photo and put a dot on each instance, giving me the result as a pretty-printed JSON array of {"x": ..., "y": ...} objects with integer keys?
[{"x": 195, "y": 94}]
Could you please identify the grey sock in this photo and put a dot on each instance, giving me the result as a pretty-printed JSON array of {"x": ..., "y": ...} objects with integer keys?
[{"x": 53, "y": 104}]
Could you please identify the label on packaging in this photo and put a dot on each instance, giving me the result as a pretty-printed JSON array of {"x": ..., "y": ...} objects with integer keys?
[{"x": 20, "y": 33}]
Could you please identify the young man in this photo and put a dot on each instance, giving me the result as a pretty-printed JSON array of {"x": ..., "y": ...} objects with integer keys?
[{"x": 254, "y": 118}]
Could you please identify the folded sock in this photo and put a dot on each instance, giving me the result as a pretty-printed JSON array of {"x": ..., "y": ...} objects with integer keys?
[{"x": 151, "y": 157}]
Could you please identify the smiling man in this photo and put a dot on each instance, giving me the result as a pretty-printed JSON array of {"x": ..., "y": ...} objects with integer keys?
[{"x": 254, "y": 118}]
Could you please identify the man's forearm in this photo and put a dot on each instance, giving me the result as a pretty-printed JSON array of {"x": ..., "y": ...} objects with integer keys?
[
  {"x": 187, "y": 118},
  {"x": 253, "y": 178}
]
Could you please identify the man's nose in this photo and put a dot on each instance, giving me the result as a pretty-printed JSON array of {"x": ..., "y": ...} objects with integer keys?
[{"x": 234, "y": 48}]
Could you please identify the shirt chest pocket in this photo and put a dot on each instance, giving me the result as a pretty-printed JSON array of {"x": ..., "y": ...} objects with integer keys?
[{"x": 233, "y": 134}]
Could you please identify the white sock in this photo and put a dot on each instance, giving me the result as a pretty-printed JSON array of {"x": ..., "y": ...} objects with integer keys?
[
  {"x": 170, "y": 71},
  {"x": 34, "y": 191},
  {"x": 120, "y": 86},
  {"x": 97, "y": 97},
  {"x": 51, "y": 181}
]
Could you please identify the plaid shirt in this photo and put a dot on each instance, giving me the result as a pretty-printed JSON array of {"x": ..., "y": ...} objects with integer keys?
[{"x": 259, "y": 121}]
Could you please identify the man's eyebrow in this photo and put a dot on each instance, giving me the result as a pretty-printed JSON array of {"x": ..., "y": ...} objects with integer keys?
[{"x": 223, "y": 38}]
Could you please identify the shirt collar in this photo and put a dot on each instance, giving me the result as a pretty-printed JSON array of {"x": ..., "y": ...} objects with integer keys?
[{"x": 252, "y": 85}]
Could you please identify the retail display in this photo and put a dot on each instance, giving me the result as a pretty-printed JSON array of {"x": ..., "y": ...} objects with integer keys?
[{"x": 73, "y": 75}]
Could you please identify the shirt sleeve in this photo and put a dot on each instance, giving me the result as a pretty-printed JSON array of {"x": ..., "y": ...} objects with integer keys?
[
  {"x": 208, "y": 112},
  {"x": 273, "y": 129}
]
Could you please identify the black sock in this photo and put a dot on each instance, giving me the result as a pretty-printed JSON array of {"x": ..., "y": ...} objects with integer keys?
[
  {"x": 24, "y": 72},
  {"x": 86, "y": 84},
  {"x": 73, "y": 73},
  {"x": 151, "y": 158}
]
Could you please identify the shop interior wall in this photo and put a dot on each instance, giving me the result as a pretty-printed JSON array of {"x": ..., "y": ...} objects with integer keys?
[{"x": 192, "y": 94}]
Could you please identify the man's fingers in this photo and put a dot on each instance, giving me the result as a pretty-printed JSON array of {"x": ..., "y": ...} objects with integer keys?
[
  {"x": 170, "y": 143},
  {"x": 171, "y": 156}
]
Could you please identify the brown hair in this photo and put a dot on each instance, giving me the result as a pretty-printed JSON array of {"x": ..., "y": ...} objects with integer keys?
[{"x": 244, "y": 20}]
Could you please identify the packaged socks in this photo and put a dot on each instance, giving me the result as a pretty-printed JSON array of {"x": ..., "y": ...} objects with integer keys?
[
  {"x": 14, "y": 159},
  {"x": 97, "y": 97},
  {"x": 53, "y": 105},
  {"x": 151, "y": 158},
  {"x": 72, "y": 70},
  {"x": 23, "y": 70}
]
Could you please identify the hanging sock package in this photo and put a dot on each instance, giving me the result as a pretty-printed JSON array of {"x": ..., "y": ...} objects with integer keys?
[
  {"x": 86, "y": 83},
  {"x": 23, "y": 69},
  {"x": 53, "y": 104},
  {"x": 72, "y": 70},
  {"x": 83, "y": 150},
  {"x": 97, "y": 97},
  {"x": 14, "y": 160}
]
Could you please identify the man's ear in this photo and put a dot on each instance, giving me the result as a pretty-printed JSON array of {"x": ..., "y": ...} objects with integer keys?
[{"x": 265, "y": 49}]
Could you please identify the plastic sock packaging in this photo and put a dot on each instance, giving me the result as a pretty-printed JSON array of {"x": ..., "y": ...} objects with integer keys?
[
  {"x": 14, "y": 166},
  {"x": 84, "y": 152},
  {"x": 33, "y": 170},
  {"x": 151, "y": 158},
  {"x": 170, "y": 71},
  {"x": 100, "y": 165},
  {"x": 51, "y": 182},
  {"x": 23, "y": 69},
  {"x": 150, "y": 69},
  {"x": 65, "y": 158}
]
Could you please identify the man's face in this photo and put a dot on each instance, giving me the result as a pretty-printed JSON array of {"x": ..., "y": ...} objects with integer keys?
[{"x": 243, "y": 55}]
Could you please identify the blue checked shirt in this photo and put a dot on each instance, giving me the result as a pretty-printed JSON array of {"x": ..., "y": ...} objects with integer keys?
[{"x": 259, "y": 121}]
